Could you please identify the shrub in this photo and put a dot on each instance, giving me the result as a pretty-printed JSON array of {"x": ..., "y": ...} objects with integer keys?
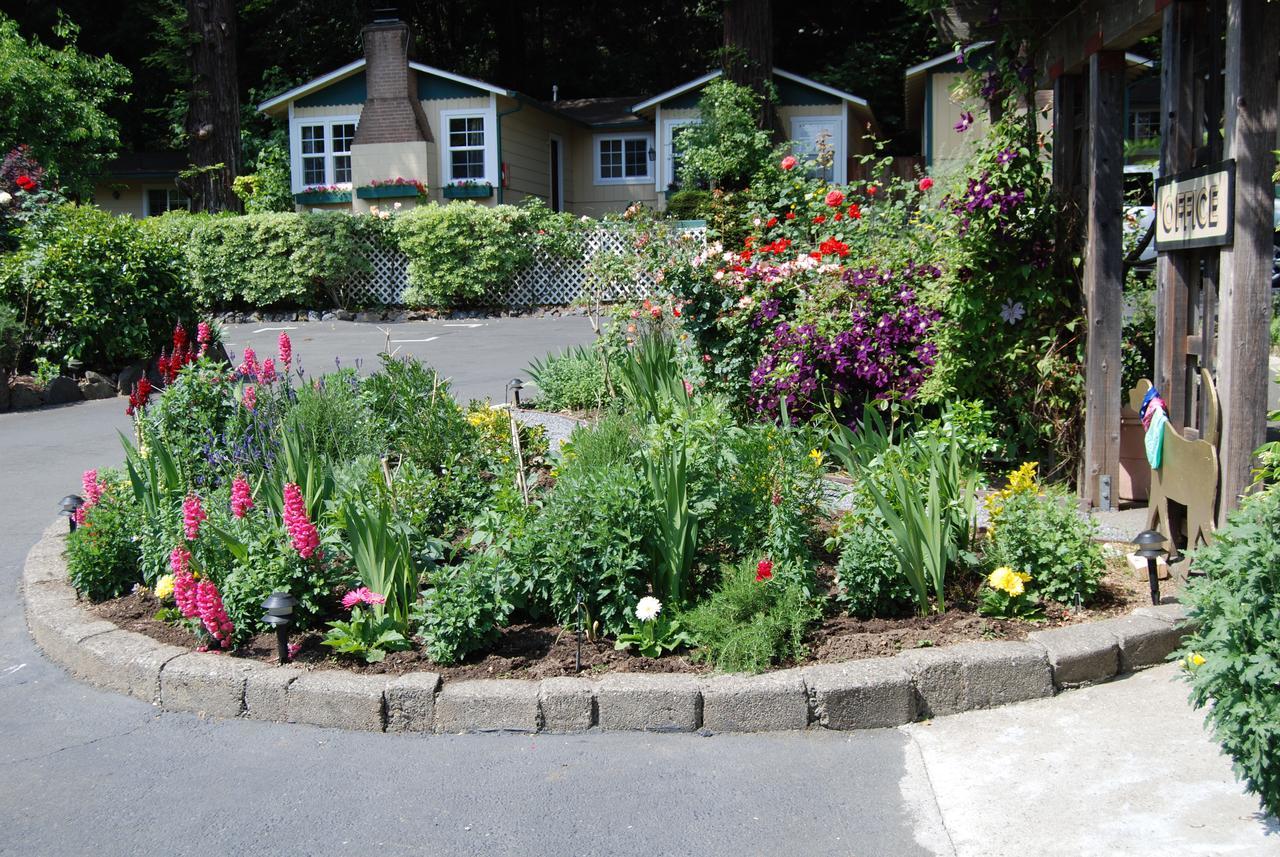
[
  {"x": 329, "y": 412},
  {"x": 1233, "y": 655},
  {"x": 689, "y": 204},
  {"x": 267, "y": 187},
  {"x": 727, "y": 147},
  {"x": 190, "y": 415},
  {"x": 97, "y": 288},
  {"x": 596, "y": 448},
  {"x": 412, "y": 405},
  {"x": 572, "y": 380},
  {"x": 11, "y": 332},
  {"x": 1044, "y": 536},
  {"x": 464, "y": 607},
  {"x": 868, "y": 576},
  {"x": 102, "y": 556},
  {"x": 748, "y": 625}
]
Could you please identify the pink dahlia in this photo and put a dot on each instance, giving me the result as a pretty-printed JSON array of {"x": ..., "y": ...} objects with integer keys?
[
  {"x": 363, "y": 595},
  {"x": 192, "y": 514},
  {"x": 302, "y": 532},
  {"x": 241, "y": 496}
]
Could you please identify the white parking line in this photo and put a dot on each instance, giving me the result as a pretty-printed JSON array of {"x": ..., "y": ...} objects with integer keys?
[
  {"x": 460, "y": 324},
  {"x": 428, "y": 339},
  {"x": 268, "y": 329}
]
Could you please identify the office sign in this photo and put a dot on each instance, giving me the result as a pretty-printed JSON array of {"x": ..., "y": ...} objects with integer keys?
[{"x": 1196, "y": 208}]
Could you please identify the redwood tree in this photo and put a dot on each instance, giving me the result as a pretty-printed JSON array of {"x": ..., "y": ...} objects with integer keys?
[
  {"x": 213, "y": 115},
  {"x": 748, "y": 55}
]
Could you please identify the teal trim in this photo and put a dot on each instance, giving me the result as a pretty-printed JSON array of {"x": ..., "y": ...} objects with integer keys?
[
  {"x": 386, "y": 191},
  {"x": 690, "y": 224},
  {"x": 926, "y": 127},
  {"x": 432, "y": 88},
  {"x": 318, "y": 197},
  {"x": 349, "y": 90},
  {"x": 519, "y": 106},
  {"x": 453, "y": 191},
  {"x": 684, "y": 101},
  {"x": 792, "y": 94}
]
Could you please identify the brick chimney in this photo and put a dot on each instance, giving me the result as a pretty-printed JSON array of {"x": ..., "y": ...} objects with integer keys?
[{"x": 392, "y": 112}]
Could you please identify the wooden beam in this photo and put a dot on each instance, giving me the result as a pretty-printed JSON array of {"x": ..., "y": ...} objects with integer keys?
[
  {"x": 1103, "y": 276},
  {"x": 1179, "y": 124},
  {"x": 1093, "y": 26},
  {"x": 1252, "y": 66}
]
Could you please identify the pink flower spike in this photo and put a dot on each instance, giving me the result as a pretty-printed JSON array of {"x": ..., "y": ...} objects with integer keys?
[
  {"x": 249, "y": 366},
  {"x": 302, "y": 533},
  {"x": 250, "y": 399},
  {"x": 241, "y": 496},
  {"x": 286, "y": 348},
  {"x": 267, "y": 374},
  {"x": 93, "y": 487},
  {"x": 192, "y": 514}
]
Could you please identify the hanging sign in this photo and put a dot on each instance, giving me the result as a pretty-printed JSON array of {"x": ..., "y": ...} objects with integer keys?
[{"x": 1196, "y": 208}]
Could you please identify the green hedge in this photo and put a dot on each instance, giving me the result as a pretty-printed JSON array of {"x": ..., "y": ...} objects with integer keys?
[{"x": 95, "y": 287}]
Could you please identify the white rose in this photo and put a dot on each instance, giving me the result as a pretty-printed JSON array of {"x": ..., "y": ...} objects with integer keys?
[{"x": 5, "y": 197}]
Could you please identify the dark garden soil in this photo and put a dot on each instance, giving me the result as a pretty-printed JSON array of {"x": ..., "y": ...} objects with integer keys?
[{"x": 534, "y": 651}]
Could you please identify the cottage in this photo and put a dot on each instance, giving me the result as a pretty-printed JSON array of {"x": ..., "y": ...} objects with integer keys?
[
  {"x": 141, "y": 184},
  {"x": 356, "y": 130}
]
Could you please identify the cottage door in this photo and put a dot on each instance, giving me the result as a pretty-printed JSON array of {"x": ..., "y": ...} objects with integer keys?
[{"x": 811, "y": 133}]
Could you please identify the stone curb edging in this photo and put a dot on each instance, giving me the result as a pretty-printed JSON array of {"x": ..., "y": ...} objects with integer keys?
[{"x": 866, "y": 694}]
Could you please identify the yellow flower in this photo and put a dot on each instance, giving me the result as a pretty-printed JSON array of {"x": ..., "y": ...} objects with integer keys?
[
  {"x": 1009, "y": 581},
  {"x": 164, "y": 587},
  {"x": 816, "y": 456},
  {"x": 1194, "y": 660}
]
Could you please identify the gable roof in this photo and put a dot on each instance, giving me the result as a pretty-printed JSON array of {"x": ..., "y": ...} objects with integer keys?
[
  {"x": 597, "y": 112},
  {"x": 785, "y": 75},
  {"x": 277, "y": 104}
]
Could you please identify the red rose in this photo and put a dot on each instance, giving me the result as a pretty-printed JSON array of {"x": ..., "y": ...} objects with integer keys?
[
  {"x": 788, "y": 162},
  {"x": 871, "y": 190},
  {"x": 764, "y": 570},
  {"x": 791, "y": 215},
  {"x": 821, "y": 218},
  {"x": 772, "y": 222},
  {"x": 835, "y": 198},
  {"x": 833, "y": 247},
  {"x": 26, "y": 183},
  {"x": 838, "y": 217},
  {"x": 855, "y": 212},
  {"x": 926, "y": 183}
]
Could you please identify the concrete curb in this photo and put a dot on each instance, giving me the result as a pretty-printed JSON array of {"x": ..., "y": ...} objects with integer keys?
[{"x": 866, "y": 694}]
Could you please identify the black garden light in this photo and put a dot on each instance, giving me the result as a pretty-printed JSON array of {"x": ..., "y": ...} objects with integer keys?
[
  {"x": 1149, "y": 544},
  {"x": 279, "y": 615},
  {"x": 514, "y": 386},
  {"x": 70, "y": 505}
]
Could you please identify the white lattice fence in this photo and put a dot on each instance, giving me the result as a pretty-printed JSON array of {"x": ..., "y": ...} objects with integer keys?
[{"x": 546, "y": 280}]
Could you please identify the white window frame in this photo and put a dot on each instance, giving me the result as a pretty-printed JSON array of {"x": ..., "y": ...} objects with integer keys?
[
  {"x": 295, "y": 149},
  {"x": 625, "y": 179},
  {"x": 170, "y": 193},
  {"x": 490, "y": 118},
  {"x": 669, "y": 129},
  {"x": 839, "y": 142}
]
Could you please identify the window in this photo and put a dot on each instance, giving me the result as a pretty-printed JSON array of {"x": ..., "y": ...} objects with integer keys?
[
  {"x": 323, "y": 152},
  {"x": 623, "y": 159},
  {"x": 1144, "y": 124},
  {"x": 160, "y": 200},
  {"x": 671, "y": 148},
  {"x": 466, "y": 148}
]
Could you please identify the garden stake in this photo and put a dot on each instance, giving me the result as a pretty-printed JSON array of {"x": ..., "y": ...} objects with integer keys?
[
  {"x": 521, "y": 482},
  {"x": 577, "y": 662}
]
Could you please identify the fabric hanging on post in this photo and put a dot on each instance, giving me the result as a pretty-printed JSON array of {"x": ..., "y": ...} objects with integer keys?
[{"x": 1154, "y": 419}]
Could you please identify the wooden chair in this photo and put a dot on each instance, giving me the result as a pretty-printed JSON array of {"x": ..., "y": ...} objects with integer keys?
[{"x": 1188, "y": 472}]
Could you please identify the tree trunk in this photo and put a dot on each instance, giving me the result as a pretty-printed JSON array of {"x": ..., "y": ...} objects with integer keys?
[
  {"x": 213, "y": 115},
  {"x": 748, "y": 55}
]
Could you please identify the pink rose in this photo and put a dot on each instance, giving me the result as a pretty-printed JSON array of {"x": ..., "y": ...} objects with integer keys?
[
  {"x": 835, "y": 198},
  {"x": 926, "y": 183},
  {"x": 789, "y": 162}
]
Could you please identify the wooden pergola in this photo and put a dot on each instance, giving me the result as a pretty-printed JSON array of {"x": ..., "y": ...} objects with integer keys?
[{"x": 1220, "y": 61}]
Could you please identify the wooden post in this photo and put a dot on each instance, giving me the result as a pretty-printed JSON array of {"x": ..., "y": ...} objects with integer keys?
[
  {"x": 1067, "y": 89},
  {"x": 1103, "y": 274},
  {"x": 1176, "y": 271},
  {"x": 1253, "y": 30}
]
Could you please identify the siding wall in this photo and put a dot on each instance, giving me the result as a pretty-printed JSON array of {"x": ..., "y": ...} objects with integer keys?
[
  {"x": 591, "y": 199},
  {"x": 526, "y": 150},
  {"x": 130, "y": 202}
]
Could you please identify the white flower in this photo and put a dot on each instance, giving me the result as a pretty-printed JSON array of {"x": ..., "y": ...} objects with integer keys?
[
  {"x": 5, "y": 197},
  {"x": 718, "y": 275},
  {"x": 648, "y": 608},
  {"x": 396, "y": 206}
]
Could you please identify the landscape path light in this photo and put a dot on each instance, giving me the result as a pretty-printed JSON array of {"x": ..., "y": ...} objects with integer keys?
[
  {"x": 514, "y": 386},
  {"x": 1149, "y": 544},
  {"x": 69, "y": 505},
  {"x": 279, "y": 615}
]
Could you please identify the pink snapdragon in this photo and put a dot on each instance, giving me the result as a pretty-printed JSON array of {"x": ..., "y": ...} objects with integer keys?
[
  {"x": 93, "y": 487},
  {"x": 363, "y": 595},
  {"x": 192, "y": 514},
  {"x": 212, "y": 613},
  {"x": 184, "y": 585},
  {"x": 241, "y": 496},
  {"x": 302, "y": 532},
  {"x": 286, "y": 349},
  {"x": 249, "y": 365},
  {"x": 204, "y": 336},
  {"x": 267, "y": 374},
  {"x": 250, "y": 398}
]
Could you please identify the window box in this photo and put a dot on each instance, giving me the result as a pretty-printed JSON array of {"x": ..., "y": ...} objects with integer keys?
[
  {"x": 468, "y": 191},
  {"x": 322, "y": 197},
  {"x": 387, "y": 191}
]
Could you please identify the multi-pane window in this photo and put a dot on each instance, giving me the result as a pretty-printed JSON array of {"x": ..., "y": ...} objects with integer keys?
[
  {"x": 343, "y": 135},
  {"x": 160, "y": 200},
  {"x": 622, "y": 159},
  {"x": 466, "y": 148},
  {"x": 1144, "y": 124},
  {"x": 324, "y": 152}
]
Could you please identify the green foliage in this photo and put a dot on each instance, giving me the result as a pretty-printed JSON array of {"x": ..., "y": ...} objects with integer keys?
[
  {"x": 1044, "y": 536},
  {"x": 262, "y": 260},
  {"x": 12, "y": 331},
  {"x": 1233, "y": 653},
  {"x": 654, "y": 637},
  {"x": 57, "y": 100},
  {"x": 193, "y": 410},
  {"x": 96, "y": 287},
  {"x": 608, "y": 443},
  {"x": 570, "y": 381},
  {"x": 727, "y": 147},
  {"x": 102, "y": 556},
  {"x": 382, "y": 556},
  {"x": 413, "y": 406},
  {"x": 464, "y": 607},
  {"x": 1138, "y": 339},
  {"x": 366, "y": 635},
  {"x": 870, "y": 580},
  {"x": 267, "y": 188},
  {"x": 459, "y": 251},
  {"x": 689, "y": 204},
  {"x": 335, "y": 420},
  {"x": 748, "y": 625}
]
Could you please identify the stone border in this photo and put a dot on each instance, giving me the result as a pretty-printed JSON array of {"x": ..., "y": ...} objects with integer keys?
[{"x": 866, "y": 694}]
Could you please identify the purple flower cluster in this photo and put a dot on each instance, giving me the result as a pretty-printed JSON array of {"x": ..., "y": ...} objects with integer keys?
[
  {"x": 981, "y": 196},
  {"x": 885, "y": 351}
]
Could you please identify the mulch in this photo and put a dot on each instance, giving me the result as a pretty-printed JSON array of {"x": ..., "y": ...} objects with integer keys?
[{"x": 535, "y": 651}]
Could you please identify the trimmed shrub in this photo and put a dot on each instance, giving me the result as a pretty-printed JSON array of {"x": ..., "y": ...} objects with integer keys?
[
  {"x": 689, "y": 204},
  {"x": 1233, "y": 656},
  {"x": 97, "y": 288}
]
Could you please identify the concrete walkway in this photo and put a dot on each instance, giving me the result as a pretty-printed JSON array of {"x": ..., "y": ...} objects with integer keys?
[{"x": 1122, "y": 769}]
